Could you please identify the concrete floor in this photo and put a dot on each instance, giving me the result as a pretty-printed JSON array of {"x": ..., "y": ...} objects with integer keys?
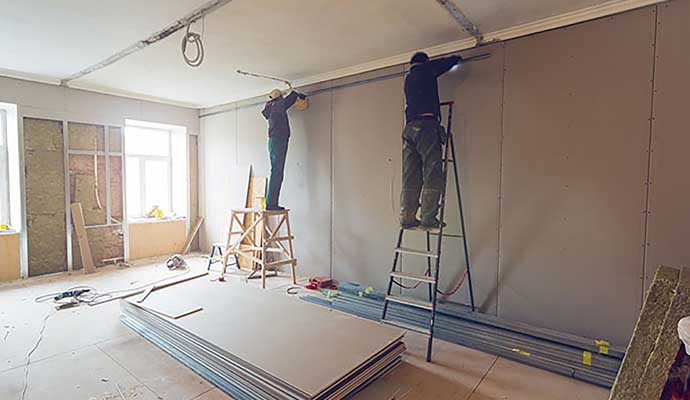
[{"x": 86, "y": 353}]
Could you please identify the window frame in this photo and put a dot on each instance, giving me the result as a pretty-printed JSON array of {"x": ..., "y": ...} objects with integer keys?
[
  {"x": 141, "y": 213},
  {"x": 5, "y": 212}
]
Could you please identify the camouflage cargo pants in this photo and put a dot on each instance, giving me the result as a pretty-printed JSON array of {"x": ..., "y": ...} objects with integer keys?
[{"x": 422, "y": 169}]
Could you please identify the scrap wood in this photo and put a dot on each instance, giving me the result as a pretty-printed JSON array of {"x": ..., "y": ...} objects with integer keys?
[
  {"x": 192, "y": 235},
  {"x": 80, "y": 228}
]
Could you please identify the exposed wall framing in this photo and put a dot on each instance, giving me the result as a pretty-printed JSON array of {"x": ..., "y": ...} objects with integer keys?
[{"x": 95, "y": 174}]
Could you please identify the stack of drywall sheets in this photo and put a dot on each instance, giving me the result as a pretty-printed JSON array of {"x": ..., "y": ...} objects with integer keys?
[{"x": 255, "y": 344}]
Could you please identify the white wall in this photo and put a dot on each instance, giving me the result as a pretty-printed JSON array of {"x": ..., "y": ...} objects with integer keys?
[
  {"x": 554, "y": 135},
  {"x": 46, "y": 101}
]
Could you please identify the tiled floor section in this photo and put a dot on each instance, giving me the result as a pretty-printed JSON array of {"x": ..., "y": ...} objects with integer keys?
[{"x": 86, "y": 353}]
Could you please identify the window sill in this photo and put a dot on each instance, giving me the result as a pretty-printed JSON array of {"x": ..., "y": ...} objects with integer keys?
[
  {"x": 9, "y": 233},
  {"x": 141, "y": 221}
]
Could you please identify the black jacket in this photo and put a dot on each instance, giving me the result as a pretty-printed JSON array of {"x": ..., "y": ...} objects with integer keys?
[
  {"x": 421, "y": 87},
  {"x": 275, "y": 112}
]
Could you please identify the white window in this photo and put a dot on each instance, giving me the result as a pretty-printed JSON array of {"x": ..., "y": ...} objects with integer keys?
[
  {"x": 156, "y": 169},
  {"x": 4, "y": 171},
  {"x": 10, "y": 174}
]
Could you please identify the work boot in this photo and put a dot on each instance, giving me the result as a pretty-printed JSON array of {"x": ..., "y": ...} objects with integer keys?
[
  {"x": 409, "y": 223},
  {"x": 274, "y": 208},
  {"x": 433, "y": 224}
]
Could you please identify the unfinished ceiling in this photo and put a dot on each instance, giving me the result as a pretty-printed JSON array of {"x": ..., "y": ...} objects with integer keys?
[{"x": 300, "y": 40}]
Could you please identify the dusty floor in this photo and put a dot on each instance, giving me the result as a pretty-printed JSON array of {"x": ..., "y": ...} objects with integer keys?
[{"x": 86, "y": 353}]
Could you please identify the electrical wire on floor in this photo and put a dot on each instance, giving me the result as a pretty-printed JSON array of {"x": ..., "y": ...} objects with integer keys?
[
  {"x": 89, "y": 295},
  {"x": 33, "y": 349}
]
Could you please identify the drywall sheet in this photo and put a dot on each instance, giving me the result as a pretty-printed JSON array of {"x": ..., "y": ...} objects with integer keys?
[
  {"x": 253, "y": 334},
  {"x": 477, "y": 90},
  {"x": 9, "y": 254},
  {"x": 576, "y": 132},
  {"x": 106, "y": 242},
  {"x": 219, "y": 146},
  {"x": 45, "y": 196},
  {"x": 669, "y": 217},
  {"x": 367, "y": 152},
  {"x": 307, "y": 186},
  {"x": 156, "y": 238}
]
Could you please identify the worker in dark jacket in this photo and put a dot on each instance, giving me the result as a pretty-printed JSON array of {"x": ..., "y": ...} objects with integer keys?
[
  {"x": 423, "y": 137},
  {"x": 275, "y": 112}
]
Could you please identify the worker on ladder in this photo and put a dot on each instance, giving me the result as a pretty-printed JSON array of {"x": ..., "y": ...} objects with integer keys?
[
  {"x": 423, "y": 137},
  {"x": 275, "y": 113}
]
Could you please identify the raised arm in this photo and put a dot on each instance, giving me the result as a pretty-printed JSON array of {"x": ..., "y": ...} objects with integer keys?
[
  {"x": 442, "y": 65},
  {"x": 291, "y": 99}
]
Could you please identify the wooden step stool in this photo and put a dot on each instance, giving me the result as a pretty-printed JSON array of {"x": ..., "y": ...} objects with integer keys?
[{"x": 260, "y": 240}]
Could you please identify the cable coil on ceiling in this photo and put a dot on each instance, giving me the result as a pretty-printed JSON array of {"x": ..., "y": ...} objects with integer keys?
[{"x": 193, "y": 39}]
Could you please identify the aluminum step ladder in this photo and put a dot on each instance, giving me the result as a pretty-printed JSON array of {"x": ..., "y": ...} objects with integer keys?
[{"x": 433, "y": 258}]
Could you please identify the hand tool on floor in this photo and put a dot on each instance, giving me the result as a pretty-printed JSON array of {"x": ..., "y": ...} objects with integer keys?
[
  {"x": 176, "y": 262},
  {"x": 71, "y": 293}
]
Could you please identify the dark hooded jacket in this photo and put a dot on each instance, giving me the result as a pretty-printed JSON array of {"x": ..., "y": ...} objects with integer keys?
[
  {"x": 275, "y": 112},
  {"x": 421, "y": 87}
]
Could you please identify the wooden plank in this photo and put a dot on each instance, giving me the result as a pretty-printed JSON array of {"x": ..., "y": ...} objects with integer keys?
[
  {"x": 9, "y": 254},
  {"x": 257, "y": 191},
  {"x": 192, "y": 235},
  {"x": 82, "y": 238}
]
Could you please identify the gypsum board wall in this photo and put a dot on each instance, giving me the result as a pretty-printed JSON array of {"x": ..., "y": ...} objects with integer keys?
[
  {"x": 464, "y": 312},
  {"x": 531, "y": 354},
  {"x": 568, "y": 353}
]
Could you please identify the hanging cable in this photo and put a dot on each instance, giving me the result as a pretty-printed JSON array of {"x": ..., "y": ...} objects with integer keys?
[
  {"x": 194, "y": 39},
  {"x": 457, "y": 287}
]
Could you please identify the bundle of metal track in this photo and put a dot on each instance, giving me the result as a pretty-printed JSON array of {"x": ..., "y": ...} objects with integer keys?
[{"x": 568, "y": 355}]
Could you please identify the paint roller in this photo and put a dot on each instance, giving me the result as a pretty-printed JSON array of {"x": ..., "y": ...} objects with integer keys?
[{"x": 300, "y": 104}]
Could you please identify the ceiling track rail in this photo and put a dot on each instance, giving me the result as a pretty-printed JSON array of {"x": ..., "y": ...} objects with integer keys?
[
  {"x": 462, "y": 19},
  {"x": 181, "y": 23}
]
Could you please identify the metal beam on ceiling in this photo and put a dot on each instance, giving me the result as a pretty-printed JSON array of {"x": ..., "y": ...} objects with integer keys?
[
  {"x": 181, "y": 23},
  {"x": 462, "y": 19}
]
